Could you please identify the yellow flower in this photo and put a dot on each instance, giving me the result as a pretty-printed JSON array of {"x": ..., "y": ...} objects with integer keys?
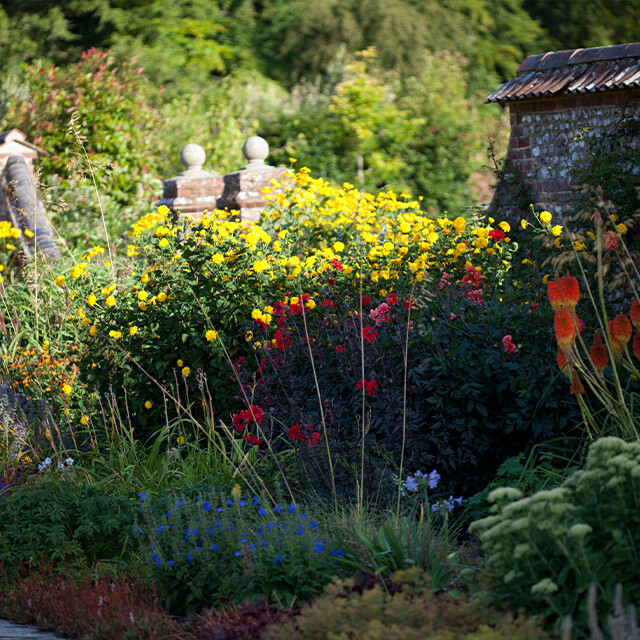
[
  {"x": 115, "y": 334},
  {"x": 162, "y": 297},
  {"x": 260, "y": 265},
  {"x": 217, "y": 258},
  {"x": 180, "y": 440},
  {"x": 60, "y": 280},
  {"x": 523, "y": 224},
  {"x": 10, "y": 246},
  {"x": 179, "y": 363},
  {"x": 66, "y": 389},
  {"x": 148, "y": 404},
  {"x": 29, "y": 233},
  {"x": 84, "y": 420},
  {"x": 556, "y": 230},
  {"x": 545, "y": 217},
  {"x": 186, "y": 371},
  {"x": 256, "y": 314},
  {"x": 311, "y": 304},
  {"x": 210, "y": 335},
  {"x": 546, "y": 278},
  {"x": 142, "y": 305},
  {"x": 93, "y": 330},
  {"x": 111, "y": 301},
  {"x": 164, "y": 242},
  {"x": 505, "y": 226},
  {"x": 142, "y": 295},
  {"x": 133, "y": 330},
  {"x": 622, "y": 228},
  {"x": 91, "y": 300},
  {"x": 236, "y": 492},
  {"x": 338, "y": 246}
]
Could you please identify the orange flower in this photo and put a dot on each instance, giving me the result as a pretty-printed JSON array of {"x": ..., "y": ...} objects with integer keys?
[
  {"x": 599, "y": 356},
  {"x": 564, "y": 328},
  {"x": 569, "y": 292},
  {"x": 576, "y": 383},
  {"x": 562, "y": 362},
  {"x": 553, "y": 292},
  {"x": 618, "y": 349},
  {"x": 635, "y": 313},
  {"x": 622, "y": 329},
  {"x": 635, "y": 345}
]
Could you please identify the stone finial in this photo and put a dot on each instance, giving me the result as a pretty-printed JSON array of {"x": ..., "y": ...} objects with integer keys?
[
  {"x": 192, "y": 157},
  {"x": 256, "y": 151}
]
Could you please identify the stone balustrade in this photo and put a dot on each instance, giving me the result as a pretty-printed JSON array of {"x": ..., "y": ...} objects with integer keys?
[{"x": 196, "y": 190}]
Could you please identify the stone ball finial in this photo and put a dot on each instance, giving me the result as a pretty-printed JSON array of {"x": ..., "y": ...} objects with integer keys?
[
  {"x": 192, "y": 157},
  {"x": 255, "y": 150}
]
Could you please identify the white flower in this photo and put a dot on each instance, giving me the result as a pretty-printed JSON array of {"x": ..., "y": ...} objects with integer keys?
[{"x": 69, "y": 462}]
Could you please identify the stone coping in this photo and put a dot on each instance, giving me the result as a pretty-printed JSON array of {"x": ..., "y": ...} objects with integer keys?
[{"x": 13, "y": 631}]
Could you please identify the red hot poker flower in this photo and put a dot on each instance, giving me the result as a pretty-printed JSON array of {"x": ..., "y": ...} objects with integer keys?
[
  {"x": 635, "y": 345},
  {"x": 622, "y": 329},
  {"x": 598, "y": 353},
  {"x": 564, "y": 327},
  {"x": 569, "y": 292},
  {"x": 634, "y": 312},
  {"x": 553, "y": 293},
  {"x": 562, "y": 362},
  {"x": 576, "y": 384},
  {"x": 618, "y": 348}
]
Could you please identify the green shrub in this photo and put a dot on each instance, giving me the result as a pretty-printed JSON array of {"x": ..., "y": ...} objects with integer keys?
[
  {"x": 106, "y": 106},
  {"x": 407, "y": 613},
  {"x": 66, "y": 525},
  {"x": 546, "y": 549}
]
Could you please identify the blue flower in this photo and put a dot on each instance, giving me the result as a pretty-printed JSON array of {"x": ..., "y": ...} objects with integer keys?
[
  {"x": 206, "y": 505},
  {"x": 170, "y": 562},
  {"x": 244, "y": 540},
  {"x": 142, "y": 496},
  {"x": 434, "y": 478},
  {"x": 189, "y": 557},
  {"x": 237, "y": 553},
  {"x": 318, "y": 548},
  {"x": 337, "y": 552},
  {"x": 277, "y": 508},
  {"x": 277, "y": 559},
  {"x": 180, "y": 503},
  {"x": 242, "y": 503},
  {"x": 313, "y": 525},
  {"x": 255, "y": 500},
  {"x": 411, "y": 483},
  {"x": 219, "y": 509},
  {"x": 262, "y": 511},
  {"x": 229, "y": 502},
  {"x": 198, "y": 549},
  {"x": 300, "y": 530},
  {"x": 214, "y": 547},
  {"x": 292, "y": 508}
]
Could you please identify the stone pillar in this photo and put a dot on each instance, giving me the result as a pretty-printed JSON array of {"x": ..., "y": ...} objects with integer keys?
[
  {"x": 194, "y": 190},
  {"x": 243, "y": 188}
]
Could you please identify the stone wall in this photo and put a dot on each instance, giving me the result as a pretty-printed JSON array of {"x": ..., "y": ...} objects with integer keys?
[{"x": 550, "y": 137}]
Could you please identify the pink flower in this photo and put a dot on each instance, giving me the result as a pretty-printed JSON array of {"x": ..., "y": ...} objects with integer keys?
[
  {"x": 610, "y": 240},
  {"x": 508, "y": 345},
  {"x": 380, "y": 314}
]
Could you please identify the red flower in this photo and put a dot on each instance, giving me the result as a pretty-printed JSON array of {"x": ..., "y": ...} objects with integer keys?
[
  {"x": 327, "y": 303},
  {"x": 313, "y": 440},
  {"x": 610, "y": 240},
  {"x": 622, "y": 329},
  {"x": 340, "y": 348},
  {"x": 564, "y": 327},
  {"x": 295, "y": 309},
  {"x": 553, "y": 293},
  {"x": 635, "y": 345},
  {"x": 562, "y": 362},
  {"x": 241, "y": 419},
  {"x": 294, "y": 432},
  {"x": 634, "y": 312},
  {"x": 251, "y": 439},
  {"x": 598, "y": 353},
  {"x": 618, "y": 348},
  {"x": 370, "y": 386},
  {"x": 337, "y": 265},
  {"x": 409, "y": 303},
  {"x": 283, "y": 341},
  {"x": 278, "y": 308},
  {"x": 496, "y": 235},
  {"x": 366, "y": 301},
  {"x": 473, "y": 278},
  {"x": 508, "y": 345},
  {"x": 369, "y": 334},
  {"x": 576, "y": 384},
  {"x": 392, "y": 299},
  {"x": 569, "y": 292}
]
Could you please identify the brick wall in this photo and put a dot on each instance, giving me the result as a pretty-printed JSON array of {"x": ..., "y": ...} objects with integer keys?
[{"x": 549, "y": 137}]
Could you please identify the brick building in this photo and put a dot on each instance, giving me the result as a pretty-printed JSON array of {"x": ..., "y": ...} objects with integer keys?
[{"x": 558, "y": 102}]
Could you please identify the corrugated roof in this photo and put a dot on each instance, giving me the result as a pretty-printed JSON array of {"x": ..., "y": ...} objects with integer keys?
[{"x": 573, "y": 72}]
